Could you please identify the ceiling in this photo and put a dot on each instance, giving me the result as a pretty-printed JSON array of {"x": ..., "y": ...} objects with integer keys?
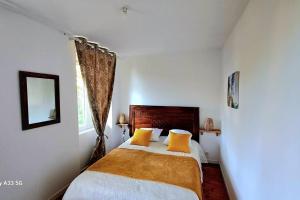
[{"x": 150, "y": 26}]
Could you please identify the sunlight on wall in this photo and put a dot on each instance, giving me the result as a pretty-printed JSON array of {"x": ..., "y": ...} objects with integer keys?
[
  {"x": 109, "y": 122},
  {"x": 136, "y": 96}
]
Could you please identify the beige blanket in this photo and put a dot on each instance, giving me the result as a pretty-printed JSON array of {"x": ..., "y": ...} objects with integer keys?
[{"x": 170, "y": 169}]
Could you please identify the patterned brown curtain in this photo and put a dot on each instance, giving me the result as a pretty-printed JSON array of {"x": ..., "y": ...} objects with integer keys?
[{"x": 98, "y": 71}]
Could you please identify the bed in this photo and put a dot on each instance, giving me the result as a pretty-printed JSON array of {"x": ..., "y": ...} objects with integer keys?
[{"x": 132, "y": 172}]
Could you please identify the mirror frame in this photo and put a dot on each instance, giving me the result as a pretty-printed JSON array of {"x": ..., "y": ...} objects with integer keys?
[{"x": 24, "y": 99}]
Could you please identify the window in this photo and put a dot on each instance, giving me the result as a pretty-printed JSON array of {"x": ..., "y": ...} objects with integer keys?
[{"x": 84, "y": 112}]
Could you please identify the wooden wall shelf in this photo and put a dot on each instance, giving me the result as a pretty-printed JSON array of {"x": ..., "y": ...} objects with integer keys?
[
  {"x": 122, "y": 125},
  {"x": 214, "y": 131}
]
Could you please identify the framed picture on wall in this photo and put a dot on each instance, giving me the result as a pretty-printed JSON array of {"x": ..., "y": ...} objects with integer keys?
[{"x": 233, "y": 90}]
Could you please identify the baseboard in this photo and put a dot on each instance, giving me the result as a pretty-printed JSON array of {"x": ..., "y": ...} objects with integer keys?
[
  {"x": 59, "y": 193},
  {"x": 213, "y": 161},
  {"x": 84, "y": 168},
  {"x": 228, "y": 184}
]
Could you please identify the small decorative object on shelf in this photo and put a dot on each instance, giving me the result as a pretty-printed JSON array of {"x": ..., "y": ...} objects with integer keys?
[
  {"x": 209, "y": 124},
  {"x": 122, "y": 118},
  {"x": 216, "y": 131}
]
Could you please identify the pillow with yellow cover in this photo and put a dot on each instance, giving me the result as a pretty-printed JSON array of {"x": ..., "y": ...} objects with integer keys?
[
  {"x": 179, "y": 142},
  {"x": 141, "y": 137}
]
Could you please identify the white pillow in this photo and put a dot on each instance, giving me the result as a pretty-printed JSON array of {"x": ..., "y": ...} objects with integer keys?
[
  {"x": 178, "y": 131},
  {"x": 155, "y": 133}
]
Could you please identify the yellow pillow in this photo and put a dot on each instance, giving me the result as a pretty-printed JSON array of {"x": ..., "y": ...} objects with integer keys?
[
  {"x": 179, "y": 142},
  {"x": 141, "y": 137}
]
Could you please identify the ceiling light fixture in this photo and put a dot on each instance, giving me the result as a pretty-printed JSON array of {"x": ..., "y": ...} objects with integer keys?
[{"x": 124, "y": 9}]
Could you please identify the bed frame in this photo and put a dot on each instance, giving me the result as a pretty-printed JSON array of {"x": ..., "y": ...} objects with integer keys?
[{"x": 164, "y": 117}]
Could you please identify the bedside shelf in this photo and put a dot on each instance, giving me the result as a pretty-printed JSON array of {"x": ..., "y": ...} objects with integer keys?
[
  {"x": 121, "y": 125},
  {"x": 214, "y": 131}
]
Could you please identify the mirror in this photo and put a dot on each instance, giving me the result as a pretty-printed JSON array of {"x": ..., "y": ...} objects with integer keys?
[{"x": 39, "y": 99}]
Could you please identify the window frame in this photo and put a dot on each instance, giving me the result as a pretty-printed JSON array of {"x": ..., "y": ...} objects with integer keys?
[{"x": 82, "y": 99}]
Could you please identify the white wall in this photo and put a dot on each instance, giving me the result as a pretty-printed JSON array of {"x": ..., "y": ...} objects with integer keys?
[
  {"x": 210, "y": 143},
  {"x": 48, "y": 158},
  {"x": 261, "y": 141},
  {"x": 181, "y": 79},
  {"x": 45, "y": 159}
]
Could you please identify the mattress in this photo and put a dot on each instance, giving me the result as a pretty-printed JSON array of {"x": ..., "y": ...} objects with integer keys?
[{"x": 107, "y": 186}]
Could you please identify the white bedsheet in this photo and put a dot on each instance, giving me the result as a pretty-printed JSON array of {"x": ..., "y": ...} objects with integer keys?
[
  {"x": 158, "y": 147},
  {"x": 93, "y": 185}
]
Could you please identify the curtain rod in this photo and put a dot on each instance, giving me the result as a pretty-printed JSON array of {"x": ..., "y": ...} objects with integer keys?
[{"x": 75, "y": 38}]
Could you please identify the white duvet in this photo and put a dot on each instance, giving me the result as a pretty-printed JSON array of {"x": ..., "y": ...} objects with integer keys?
[{"x": 93, "y": 185}]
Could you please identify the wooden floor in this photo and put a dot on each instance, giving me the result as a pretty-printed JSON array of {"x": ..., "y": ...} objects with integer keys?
[{"x": 213, "y": 183}]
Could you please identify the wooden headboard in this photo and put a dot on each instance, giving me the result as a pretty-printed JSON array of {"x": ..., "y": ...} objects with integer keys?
[{"x": 165, "y": 117}]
